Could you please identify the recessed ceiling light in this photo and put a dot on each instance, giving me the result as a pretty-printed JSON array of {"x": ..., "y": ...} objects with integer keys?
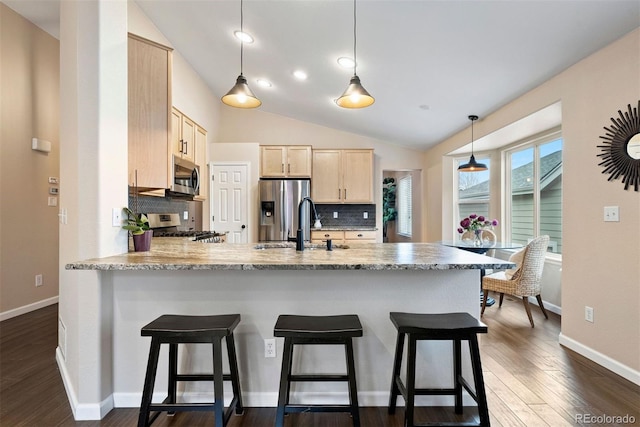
[
  {"x": 300, "y": 75},
  {"x": 346, "y": 62},
  {"x": 245, "y": 37},
  {"x": 423, "y": 107},
  {"x": 264, "y": 82}
]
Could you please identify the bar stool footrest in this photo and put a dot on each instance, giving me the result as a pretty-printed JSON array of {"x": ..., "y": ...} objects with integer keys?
[
  {"x": 289, "y": 409},
  {"x": 318, "y": 378},
  {"x": 200, "y": 377}
]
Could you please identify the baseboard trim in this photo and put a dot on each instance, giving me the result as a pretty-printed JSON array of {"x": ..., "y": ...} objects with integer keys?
[
  {"x": 81, "y": 411},
  {"x": 601, "y": 359},
  {"x": 547, "y": 306},
  {"x": 5, "y": 315}
]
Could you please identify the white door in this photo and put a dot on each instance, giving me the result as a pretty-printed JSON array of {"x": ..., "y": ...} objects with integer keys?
[{"x": 228, "y": 200}]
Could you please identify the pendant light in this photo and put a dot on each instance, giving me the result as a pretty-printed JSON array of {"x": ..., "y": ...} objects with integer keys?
[
  {"x": 356, "y": 96},
  {"x": 240, "y": 96},
  {"x": 472, "y": 166}
]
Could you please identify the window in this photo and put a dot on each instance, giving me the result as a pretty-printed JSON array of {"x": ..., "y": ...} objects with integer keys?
[
  {"x": 404, "y": 206},
  {"x": 534, "y": 196},
  {"x": 473, "y": 190}
]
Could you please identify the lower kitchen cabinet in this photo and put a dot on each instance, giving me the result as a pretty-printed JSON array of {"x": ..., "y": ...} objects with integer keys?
[{"x": 343, "y": 236}]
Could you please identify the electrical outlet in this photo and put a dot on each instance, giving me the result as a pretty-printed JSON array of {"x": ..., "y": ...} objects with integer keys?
[
  {"x": 270, "y": 347},
  {"x": 335, "y": 214},
  {"x": 365, "y": 215},
  {"x": 116, "y": 217},
  {"x": 611, "y": 214},
  {"x": 38, "y": 279},
  {"x": 588, "y": 314},
  {"x": 185, "y": 215}
]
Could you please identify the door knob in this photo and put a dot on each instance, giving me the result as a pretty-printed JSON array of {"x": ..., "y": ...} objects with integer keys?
[{"x": 244, "y": 226}]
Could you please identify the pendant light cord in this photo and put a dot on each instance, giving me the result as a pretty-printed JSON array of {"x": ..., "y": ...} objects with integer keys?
[
  {"x": 354, "y": 38},
  {"x": 472, "y": 136},
  {"x": 241, "y": 38}
]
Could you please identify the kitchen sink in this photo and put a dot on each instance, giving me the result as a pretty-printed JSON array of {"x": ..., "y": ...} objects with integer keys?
[{"x": 292, "y": 245}]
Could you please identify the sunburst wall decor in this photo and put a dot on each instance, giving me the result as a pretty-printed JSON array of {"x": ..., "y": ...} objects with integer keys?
[{"x": 621, "y": 152}]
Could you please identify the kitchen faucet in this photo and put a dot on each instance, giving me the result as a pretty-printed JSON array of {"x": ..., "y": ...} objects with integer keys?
[{"x": 300, "y": 234}]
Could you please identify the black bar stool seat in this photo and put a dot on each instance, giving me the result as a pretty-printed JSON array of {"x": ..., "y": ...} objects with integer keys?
[
  {"x": 177, "y": 329},
  {"x": 456, "y": 327},
  {"x": 298, "y": 330}
]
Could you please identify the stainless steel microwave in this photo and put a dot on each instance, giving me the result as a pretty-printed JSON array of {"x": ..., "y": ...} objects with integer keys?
[{"x": 186, "y": 177}]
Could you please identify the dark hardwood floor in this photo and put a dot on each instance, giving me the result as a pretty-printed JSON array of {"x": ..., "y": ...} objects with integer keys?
[{"x": 530, "y": 380}]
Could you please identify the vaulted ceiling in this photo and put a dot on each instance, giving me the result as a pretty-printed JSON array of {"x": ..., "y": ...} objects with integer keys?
[{"x": 429, "y": 64}]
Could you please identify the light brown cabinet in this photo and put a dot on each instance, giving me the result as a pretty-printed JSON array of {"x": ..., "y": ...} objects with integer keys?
[
  {"x": 342, "y": 176},
  {"x": 183, "y": 136},
  {"x": 344, "y": 236},
  {"x": 285, "y": 161},
  {"x": 149, "y": 98}
]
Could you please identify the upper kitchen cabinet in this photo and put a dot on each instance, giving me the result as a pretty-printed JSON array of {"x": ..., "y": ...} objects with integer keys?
[
  {"x": 342, "y": 176},
  {"x": 285, "y": 161},
  {"x": 183, "y": 136},
  {"x": 149, "y": 114}
]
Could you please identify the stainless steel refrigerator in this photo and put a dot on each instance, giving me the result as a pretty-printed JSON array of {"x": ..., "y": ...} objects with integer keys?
[{"x": 279, "y": 200}]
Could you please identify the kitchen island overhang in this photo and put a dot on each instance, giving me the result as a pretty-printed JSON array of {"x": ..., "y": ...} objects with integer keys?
[{"x": 183, "y": 277}]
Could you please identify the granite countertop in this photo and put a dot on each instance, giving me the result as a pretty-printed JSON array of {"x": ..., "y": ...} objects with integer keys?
[{"x": 185, "y": 254}]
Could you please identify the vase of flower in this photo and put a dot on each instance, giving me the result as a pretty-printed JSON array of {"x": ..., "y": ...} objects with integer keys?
[
  {"x": 477, "y": 237},
  {"x": 474, "y": 225}
]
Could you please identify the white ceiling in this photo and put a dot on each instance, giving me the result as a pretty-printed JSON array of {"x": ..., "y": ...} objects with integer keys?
[{"x": 428, "y": 63}]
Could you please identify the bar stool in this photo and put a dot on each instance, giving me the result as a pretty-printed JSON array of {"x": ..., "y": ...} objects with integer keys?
[
  {"x": 298, "y": 330},
  {"x": 448, "y": 326},
  {"x": 174, "y": 330}
]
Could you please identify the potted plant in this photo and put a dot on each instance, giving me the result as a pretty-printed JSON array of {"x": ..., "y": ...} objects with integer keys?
[
  {"x": 138, "y": 225},
  {"x": 389, "y": 212}
]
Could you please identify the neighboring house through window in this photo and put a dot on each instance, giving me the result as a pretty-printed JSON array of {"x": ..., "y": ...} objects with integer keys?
[
  {"x": 534, "y": 191},
  {"x": 473, "y": 191}
]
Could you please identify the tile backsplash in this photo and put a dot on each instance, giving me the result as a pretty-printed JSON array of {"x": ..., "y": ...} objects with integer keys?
[{"x": 348, "y": 215}]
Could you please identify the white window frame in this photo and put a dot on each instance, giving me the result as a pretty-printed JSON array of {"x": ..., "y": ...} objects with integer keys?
[
  {"x": 535, "y": 142},
  {"x": 404, "y": 214}
]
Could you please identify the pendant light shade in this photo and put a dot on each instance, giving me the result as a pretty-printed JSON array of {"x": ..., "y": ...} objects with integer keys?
[
  {"x": 472, "y": 165},
  {"x": 240, "y": 95},
  {"x": 355, "y": 96}
]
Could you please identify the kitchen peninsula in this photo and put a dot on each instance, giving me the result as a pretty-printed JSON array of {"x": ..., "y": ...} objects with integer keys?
[{"x": 179, "y": 276}]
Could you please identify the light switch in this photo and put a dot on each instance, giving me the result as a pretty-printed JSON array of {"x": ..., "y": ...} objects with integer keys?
[
  {"x": 335, "y": 214},
  {"x": 52, "y": 201},
  {"x": 611, "y": 214},
  {"x": 365, "y": 215},
  {"x": 185, "y": 215}
]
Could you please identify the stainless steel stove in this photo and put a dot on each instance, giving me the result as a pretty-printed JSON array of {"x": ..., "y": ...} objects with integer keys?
[{"x": 166, "y": 225}]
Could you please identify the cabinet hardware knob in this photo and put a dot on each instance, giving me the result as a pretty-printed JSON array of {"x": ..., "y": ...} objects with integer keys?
[{"x": 359, "y": 235}]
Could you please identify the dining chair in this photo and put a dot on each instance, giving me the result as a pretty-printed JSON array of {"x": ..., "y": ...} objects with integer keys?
[{"x": 525, "y": 282}]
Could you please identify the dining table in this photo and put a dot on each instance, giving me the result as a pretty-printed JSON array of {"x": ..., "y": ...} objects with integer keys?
[{"x": 481, "y": 247}]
